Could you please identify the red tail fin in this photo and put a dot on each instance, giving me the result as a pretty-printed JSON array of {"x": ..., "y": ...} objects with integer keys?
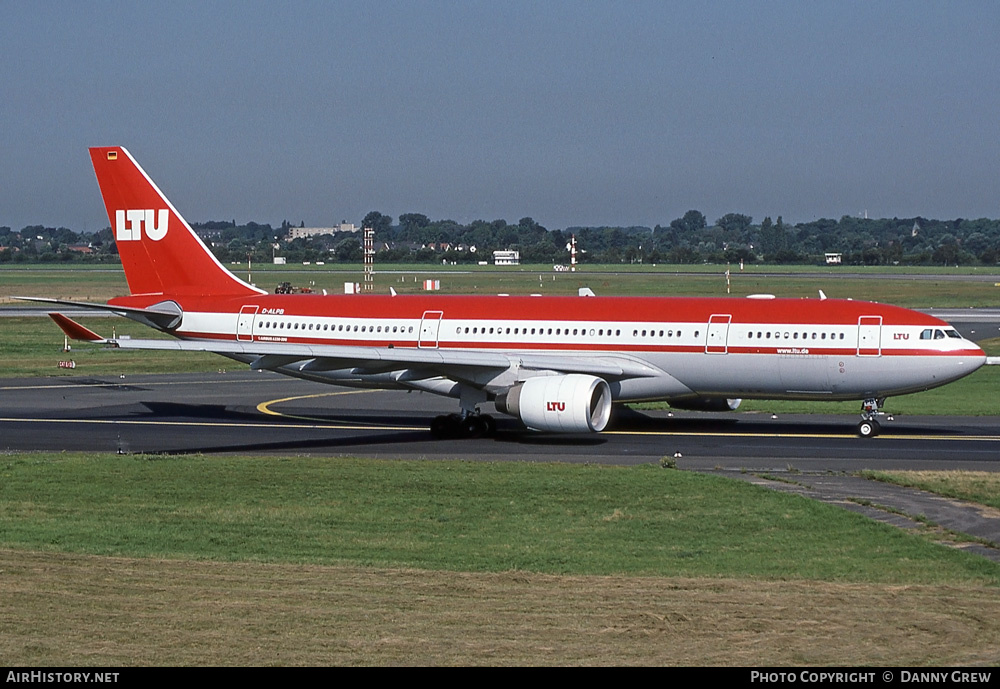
[{"x": 160, "y": 252}]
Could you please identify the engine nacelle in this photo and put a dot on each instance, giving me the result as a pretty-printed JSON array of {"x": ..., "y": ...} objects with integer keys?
[
  {"x": 573, "y": 403},
  {"x": 706, "y": 404}
]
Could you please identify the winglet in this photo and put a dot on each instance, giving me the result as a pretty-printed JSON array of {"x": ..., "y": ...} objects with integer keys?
[{"x": 74, "y": 330}]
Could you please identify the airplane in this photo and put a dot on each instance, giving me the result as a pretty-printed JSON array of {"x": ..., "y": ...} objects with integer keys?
[{"x": 556, "y": 363}]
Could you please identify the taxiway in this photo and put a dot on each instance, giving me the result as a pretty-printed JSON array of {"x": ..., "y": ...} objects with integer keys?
[{"x": 259, "y": 412}]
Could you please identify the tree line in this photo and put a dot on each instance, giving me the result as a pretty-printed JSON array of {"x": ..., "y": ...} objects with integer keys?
[{"x": 415, "y": 238}]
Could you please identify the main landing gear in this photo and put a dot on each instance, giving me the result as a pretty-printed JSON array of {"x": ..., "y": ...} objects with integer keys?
[
  {"x": 451, "y": 426},
  {"x": 869, "y": 426}
]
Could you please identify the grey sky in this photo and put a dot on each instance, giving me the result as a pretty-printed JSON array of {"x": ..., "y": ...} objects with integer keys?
[{"x": 573, "y": 113}]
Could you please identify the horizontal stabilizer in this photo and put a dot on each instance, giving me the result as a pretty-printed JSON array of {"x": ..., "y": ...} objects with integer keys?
[
  {"x": 164, "y": 315},
  {"x": 74, "y": 330}
]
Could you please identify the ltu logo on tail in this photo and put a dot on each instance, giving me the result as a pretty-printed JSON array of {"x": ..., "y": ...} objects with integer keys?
[{"x": 129, "y": 224}]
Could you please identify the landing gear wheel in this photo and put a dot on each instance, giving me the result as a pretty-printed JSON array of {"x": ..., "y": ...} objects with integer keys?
[
  {"x": 473, "y": 427},
  {"x": 452, "y": 426},
  {"x": 869, "y": 429},
  {"x": 491, "y": 425},
  {"x": 445, "y": 426}
]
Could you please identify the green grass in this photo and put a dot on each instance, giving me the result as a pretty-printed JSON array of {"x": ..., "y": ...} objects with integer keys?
[
  {"x": 456, "y": 516},
  {"x": 982, "y": 487},
  {"x": 34, "y": 347},
  {"x": 100, "y": 283}
]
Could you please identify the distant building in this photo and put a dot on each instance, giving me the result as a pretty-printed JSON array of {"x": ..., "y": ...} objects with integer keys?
[
  {"x": 507, "y": 258},
  {"x": 833, "y": 259},
  {"x": 301, "y": 232}
]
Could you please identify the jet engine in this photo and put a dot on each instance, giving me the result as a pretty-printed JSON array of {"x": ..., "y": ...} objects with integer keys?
[
  {"x": 574, "y": 403},
  {"x": 706, "y": 404}
]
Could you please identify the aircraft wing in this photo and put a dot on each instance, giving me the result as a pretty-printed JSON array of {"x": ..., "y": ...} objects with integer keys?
[
  {"x": 438, "y": 362},
  {"x": 474, "y": 367}
]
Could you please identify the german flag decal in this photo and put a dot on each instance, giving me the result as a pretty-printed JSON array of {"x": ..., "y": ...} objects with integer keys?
[{"x": 112, "y": 155}]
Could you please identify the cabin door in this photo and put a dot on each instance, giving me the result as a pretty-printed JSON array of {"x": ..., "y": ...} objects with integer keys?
[
  {"x": 717, "y": 337},
  {"x": 870, "y": 336},
  {"x": 430, "y": 328},
  {"x": 244, "y": 324}
]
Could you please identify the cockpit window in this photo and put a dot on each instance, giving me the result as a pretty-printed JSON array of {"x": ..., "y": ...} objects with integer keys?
[
  {"x": 953, "y": 333},
  {"x": 938, "y": 335},
  {"x": 927, "y": 334}
]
